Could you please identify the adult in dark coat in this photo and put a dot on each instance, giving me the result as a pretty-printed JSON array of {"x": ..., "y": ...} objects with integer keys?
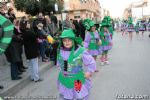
[
  {"x": 82, "y": 29},
  {"x": 40, "y": 19},
  {"x": 11, "y": 15},
  {"x": 31, "y": 52},
  {"x": 29, "y": 40},
  {"x": 17, "y": 31},
  {"x": 76, "y": 28},
  {"x": 53, "y": 18},
  {"x": 13, "y": 55},
  {"x": 30, "y": 44}
]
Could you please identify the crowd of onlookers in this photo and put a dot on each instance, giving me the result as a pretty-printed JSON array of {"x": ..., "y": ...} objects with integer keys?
[{"x": 30, "y": 37}]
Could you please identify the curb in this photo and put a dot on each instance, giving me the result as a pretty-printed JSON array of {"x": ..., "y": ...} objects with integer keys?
[{"x": 25, "y": 81}]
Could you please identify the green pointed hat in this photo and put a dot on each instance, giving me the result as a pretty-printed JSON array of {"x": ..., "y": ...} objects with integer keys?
[
  {"x": 107, "y": 18},
  {"x": 68, "y": 33},
  {"x": 88, "y": 23},
  {"x": 130, "y": 20},
  {"x": 106, "y": 21},
  {"x": 91, "y": 23},
  {"x": 6, "y": 33}
]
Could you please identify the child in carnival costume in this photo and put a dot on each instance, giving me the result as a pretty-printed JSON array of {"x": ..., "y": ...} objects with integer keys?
[
  {"x": 148, "y": 26},
  {"x": 106, "y": 40},
  {"x": 124, "y": 27},
  {"x": 142, "y": 27},
  {"x": 73, "y": 81},
  {"x": 137, "y": 27},
  {"x": 92, "y": 40},
  {"x": 110, "y": 28},
  {"x": 130, "y": 27}
]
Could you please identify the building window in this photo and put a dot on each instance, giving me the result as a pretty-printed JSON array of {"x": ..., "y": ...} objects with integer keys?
[
  {"x": 77, "y": 13},
  {"x": 83, "y": 1},
  {"x": 75, "y": 17}
]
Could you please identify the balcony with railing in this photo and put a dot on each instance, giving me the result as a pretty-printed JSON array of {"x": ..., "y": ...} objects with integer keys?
[{"x": 89, "y": 5}]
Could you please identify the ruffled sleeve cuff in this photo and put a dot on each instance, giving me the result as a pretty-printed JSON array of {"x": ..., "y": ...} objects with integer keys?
[{"x": 89, "y": 62}]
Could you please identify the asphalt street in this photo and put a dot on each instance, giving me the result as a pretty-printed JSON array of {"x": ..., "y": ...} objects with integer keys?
[{"x": 127, "y": 77}]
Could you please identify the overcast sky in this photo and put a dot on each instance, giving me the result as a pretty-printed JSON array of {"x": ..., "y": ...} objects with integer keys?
[{"x": 116, "y": 7}]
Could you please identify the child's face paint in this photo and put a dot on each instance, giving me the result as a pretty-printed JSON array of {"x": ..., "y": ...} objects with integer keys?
[{"x": 68, "y": 43}]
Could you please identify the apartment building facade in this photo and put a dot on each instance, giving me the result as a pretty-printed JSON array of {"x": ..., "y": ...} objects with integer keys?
[
  {"x": 138, "y": 9},
  {"x": 10, "y": 4},
  {"x": 77, "y": 9},
  {"x": 81, "y": 9}
]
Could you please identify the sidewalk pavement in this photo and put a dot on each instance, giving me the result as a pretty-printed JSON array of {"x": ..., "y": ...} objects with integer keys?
[{"x": 11, "y": 87}]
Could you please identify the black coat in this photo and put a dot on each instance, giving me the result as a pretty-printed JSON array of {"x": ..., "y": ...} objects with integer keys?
[
  {"x": 12, "y": 17},
  {"x": 30, "y": 44},
  {"x": 14, "y": 50},
  {"x": 54, "y": 19},
  {"x": 82, "y": 29},
  {"x": 36, "y": 22}
]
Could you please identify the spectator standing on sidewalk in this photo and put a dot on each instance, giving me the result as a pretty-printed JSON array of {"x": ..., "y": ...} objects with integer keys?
[
  {"x": 11, "y": 14},
  {"x": 40, "y": 19},
  {"x": 82, "y": 29},
  {"x": 49, "y": 29},
  {"x": 13, "y": 54},
  {"x": 12, "y": 51},
  {"x": 49, "y": 26},
  {"x": 53, "y": 18},
  {"x": 31, "y": 51},
  {"x": 42, "y": 35},
  {"x": 12, "y": 18},
  {"x": 18, "y": 32},
  {"x": 5, "y": 32},
  {"x": 66, "y": 24},
  {"x": 76, "y": 28}
]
